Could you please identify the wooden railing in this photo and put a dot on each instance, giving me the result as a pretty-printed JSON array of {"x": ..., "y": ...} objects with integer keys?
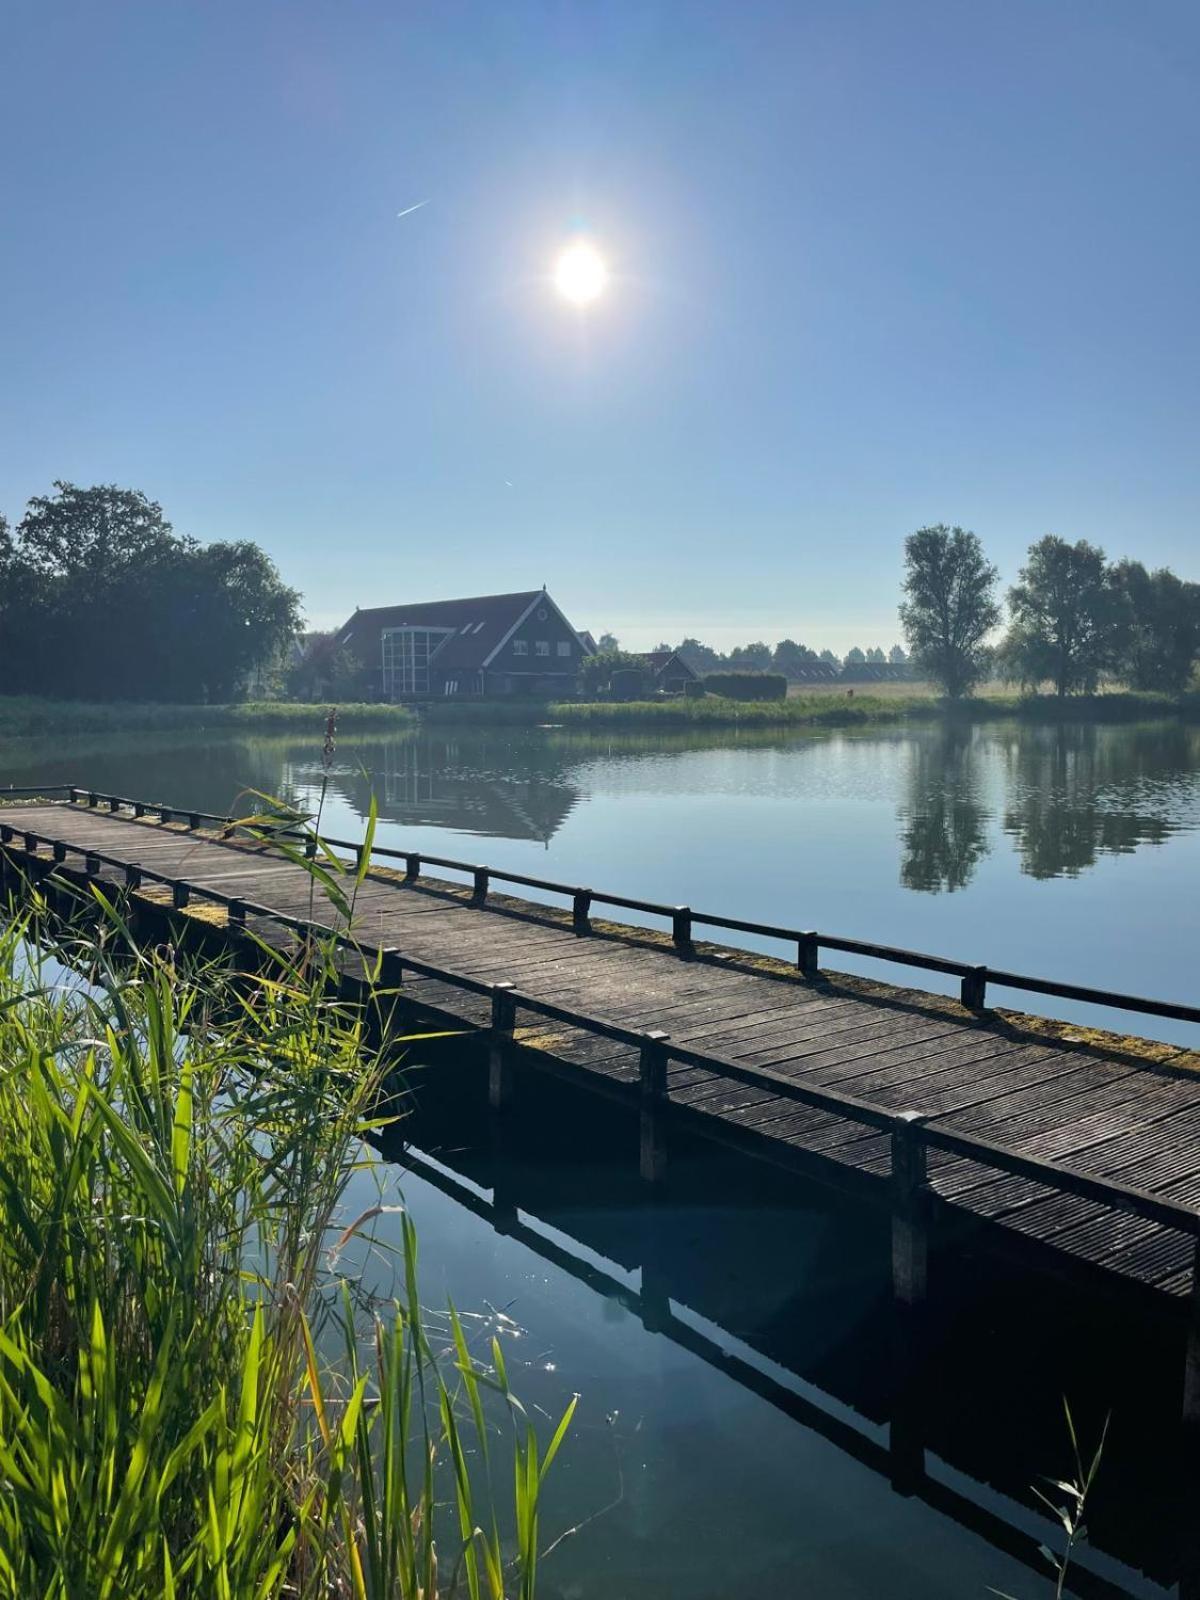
[{"x": 974, "y": 979}]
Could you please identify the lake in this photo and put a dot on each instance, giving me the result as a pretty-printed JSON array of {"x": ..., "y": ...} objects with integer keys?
[{"x": 1069, "y": 851}]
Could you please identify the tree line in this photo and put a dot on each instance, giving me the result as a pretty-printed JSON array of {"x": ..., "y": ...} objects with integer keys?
[
  {"x": 1075, "y": 619},
  {"x": 101, "y": 599},
  {"x": 787, "y": 656}
]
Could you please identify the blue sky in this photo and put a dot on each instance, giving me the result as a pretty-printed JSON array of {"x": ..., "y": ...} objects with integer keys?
[{"x": 873, "y": 266}]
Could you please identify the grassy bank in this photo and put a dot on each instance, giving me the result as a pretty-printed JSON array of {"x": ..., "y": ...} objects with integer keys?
[
  {"x": 29, "y": 715},
  {"x": 823, "y": 709},
  {"x": 174, "y": 1152}
]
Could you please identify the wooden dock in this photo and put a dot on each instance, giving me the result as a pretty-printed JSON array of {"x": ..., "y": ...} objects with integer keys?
[{"x": 1084, "y": 1154}]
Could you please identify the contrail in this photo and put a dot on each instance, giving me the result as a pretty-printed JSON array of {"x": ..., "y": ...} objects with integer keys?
[{"x": 408, "y": 210}]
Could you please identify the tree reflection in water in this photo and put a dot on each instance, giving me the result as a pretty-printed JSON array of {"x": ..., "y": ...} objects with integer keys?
[{"x": 943, "y": 834}]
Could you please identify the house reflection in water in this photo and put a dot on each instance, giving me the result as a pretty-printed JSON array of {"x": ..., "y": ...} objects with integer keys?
[{"x": 424, "y": 781}]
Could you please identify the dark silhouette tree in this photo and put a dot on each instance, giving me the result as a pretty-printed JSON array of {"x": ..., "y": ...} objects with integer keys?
[
  {"x": 1162, "y": 619},
  {"x": 1069, "y": 618},
  {"x": 949, "y": 606}
]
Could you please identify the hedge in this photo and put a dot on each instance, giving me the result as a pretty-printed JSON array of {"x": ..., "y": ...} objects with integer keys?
[{"x": 747, "y": 685}]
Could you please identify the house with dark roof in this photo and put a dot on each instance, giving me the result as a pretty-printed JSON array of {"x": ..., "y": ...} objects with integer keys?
[
  {"x": 493, "y": 644},
  {"x": 668, "y": 671}
]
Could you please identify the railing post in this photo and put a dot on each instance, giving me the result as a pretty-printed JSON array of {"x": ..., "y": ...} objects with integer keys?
[
  {"x": 91, "y": 865},
  {"x": 181, "y": 894},
  {"x": 412, "y": 868},
  {"x": 72, "y": 795},
  {"x": 808, "y": 955},
  {"x": 31, "y": 844},
  {"x": 193, "y": 819},
  {"x": 6, "y": 833},
  {"x": 133, "y": 876},
  {"x": 681, "y": 929},
  {"x": 139, "y": 808},
  {"x": 500, "y": 1066},
  {"x": 310, "y": 848},
  {"x": 59, "y": 851},
  {"x": 581, "y": 911},
  {"x": 93, "y": 799},
  {"x": 114, "y": 803},
  {"x": 165, "y": 814},
  {"x": 479, "y": 892},
  {"x": 973, "y": 993},
  {"x": 235, "y": 913},
  {"x": 652, "y": 1071}
]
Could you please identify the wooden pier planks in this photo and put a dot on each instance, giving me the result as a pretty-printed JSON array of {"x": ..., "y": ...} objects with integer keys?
[{"x": 899, "y": 1050}]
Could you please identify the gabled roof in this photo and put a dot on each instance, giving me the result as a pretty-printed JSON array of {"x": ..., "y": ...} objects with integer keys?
[
  {"x": 476, "y": 628},
  {"x": 656, "y": 660}
]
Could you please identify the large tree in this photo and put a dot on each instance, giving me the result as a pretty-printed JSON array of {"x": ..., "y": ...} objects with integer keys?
[
  {"x": 949, "y": 606},
  {"x": 102, "y": 599},
  {"x": 1162, "y": 633},
  {"x": 788, "y": 656},
  {"x": 1068, "y": 617}
]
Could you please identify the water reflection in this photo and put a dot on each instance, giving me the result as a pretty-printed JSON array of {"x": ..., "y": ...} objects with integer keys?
[
  {"x": 1075, "y": 793},
  {"x": 944, "y": 820},
  {"x": 466, "y": 786}
]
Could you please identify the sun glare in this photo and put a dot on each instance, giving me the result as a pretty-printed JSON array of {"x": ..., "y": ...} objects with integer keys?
[{"x": 580, "y": 274}]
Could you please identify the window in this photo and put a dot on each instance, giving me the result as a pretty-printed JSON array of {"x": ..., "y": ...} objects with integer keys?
[
  {"x": 564, "y": 647},
  {"x": 520, "y": 647},
  {"x": 542, "y": 647},
  {"x": 406, "y": 654}
]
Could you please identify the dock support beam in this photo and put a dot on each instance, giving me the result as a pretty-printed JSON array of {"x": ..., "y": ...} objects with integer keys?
[
  {"x": 500, "y": 1065},
  {"x": 910, "y": 1284},
  {"x": 652, "y": 1070}
]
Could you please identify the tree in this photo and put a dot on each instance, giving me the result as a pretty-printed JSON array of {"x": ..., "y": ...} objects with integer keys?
[
  {"x": 325, "y": 670},
  {"x": 949, "y": 606},
  {"x": 607, "y": 643},
  {"x": 897, "y": 656},
  {"x": 103, "y": 599},
  {"x": 828, "y": 655},
  {"x": 788, "y": 656},
  {"x": 854, "y": 656},
  {"x": 1068, "y": 617},
  {"x": 596, "y": 672},
  {"x": 1162, "y": 616},
  {"x": 876, "y": 654},
  {"x": 754, "y": 657},
  {"x": 701, "y": 658}
]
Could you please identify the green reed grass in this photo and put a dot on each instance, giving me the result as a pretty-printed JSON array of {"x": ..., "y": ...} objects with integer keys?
[{"x": 175, "y": 1143}]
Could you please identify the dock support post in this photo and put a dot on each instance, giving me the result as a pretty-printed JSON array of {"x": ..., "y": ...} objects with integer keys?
[
  {"x": 181, "y": 894},
  {"x": 910, "y": 1281},
  {"x": 236, "y": 913},
  {"x": 412, "y": 868},
  {"x": 133, "y": 876},
  {"x": 652, "y": 1070},
  {"x": 59, "y": 851},
  {"x": 681, "y": 930},
  {"x": 479, "y": 890},
  {"x": 139, "y": 808},
  {"x": 31, "y": 844},
  {"x": 91, "y": 865},
  {"x": 500, "y": 1066},
  {"x": 581, "y": 912}
]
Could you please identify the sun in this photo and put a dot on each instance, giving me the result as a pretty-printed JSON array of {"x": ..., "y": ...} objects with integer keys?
[{"x": 580, "y": 275}]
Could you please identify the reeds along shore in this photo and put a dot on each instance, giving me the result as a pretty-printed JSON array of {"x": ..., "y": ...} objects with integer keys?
[{"x": 197, "y": 1396}]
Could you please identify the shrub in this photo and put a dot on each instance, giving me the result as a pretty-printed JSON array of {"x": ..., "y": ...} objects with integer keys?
[{"x": 747, "y": 685}]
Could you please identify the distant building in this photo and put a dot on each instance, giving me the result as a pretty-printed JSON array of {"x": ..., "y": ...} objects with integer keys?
[
  {"x": 667, "y": 670},
  {"x": 494, "y": 644}
]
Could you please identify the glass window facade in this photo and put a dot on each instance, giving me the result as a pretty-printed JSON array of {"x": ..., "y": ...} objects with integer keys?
[{"x": 406, "y": 653}]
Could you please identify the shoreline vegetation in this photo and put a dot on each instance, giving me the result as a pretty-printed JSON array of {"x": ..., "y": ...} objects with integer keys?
[
  {"x": 200, "y": 1392},
  {"x": 31, "y": 716}
]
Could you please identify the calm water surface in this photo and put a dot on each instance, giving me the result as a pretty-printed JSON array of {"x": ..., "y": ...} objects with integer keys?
[{"x": 1068, "y": 851}]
